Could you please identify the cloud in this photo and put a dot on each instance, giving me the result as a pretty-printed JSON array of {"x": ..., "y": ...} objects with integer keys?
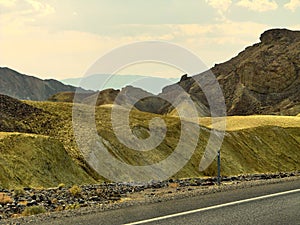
[
  {"x": 258, "y": 5},
  {"x": 7, "y": 3},
  {"x": 292, "y": 5},
  {"x": 39, "y": 49},
  {"x": 43, "y": 9},
  {"x": 23, "y": 9},
  {"x": 60, "y": 54},
  {"x": 221, "y": 6}
]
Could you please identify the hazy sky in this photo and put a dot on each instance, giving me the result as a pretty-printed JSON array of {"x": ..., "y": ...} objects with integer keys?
[{"x": 62, "y": 38}]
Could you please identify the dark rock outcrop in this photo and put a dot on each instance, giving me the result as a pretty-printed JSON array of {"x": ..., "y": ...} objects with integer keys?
[
  {"x": 103, "y": 97},
  {"x": 68, "y": 96},
  {"x": 17, "y": 116},
  {"x": 141, "y": 100},
  {"x": 263, "y": 79}
]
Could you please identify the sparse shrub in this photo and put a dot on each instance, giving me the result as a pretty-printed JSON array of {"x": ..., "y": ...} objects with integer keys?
[
  {"x": 19, "y": 192},
  {"x": 73, "y": 206},
  {"x": 38, "y": 187},
  {"x": 75, "y": 190},
  {"x": 54, "y": 201},
  {"x": 173, "y": 185},
  {"x": 33, "y": 210},
  {"x": 23, "y": 203},
  {"x": 59, "y": 208},
  {"x": 61, "y": 185},
  {"x": 5, "y": 199}
]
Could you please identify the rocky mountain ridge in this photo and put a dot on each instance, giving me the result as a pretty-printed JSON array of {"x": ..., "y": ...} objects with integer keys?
[
  {"x": 262, "y": 79},
  {"x": 21, "y": 86}
]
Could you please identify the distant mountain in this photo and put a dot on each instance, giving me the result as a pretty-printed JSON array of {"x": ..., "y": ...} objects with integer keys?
[
  {"x": 127, "y": 96},
  {"x": 262, "y": 79},
  {"x": 22, "y": 86},
  {"x": 103, "y": 97},
  {"x": 100, "y": 82}
]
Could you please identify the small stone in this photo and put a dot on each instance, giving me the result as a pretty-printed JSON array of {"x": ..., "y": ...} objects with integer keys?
[
  {"x": 31, "y": 203},
  {"x": 81, "y": 201}
]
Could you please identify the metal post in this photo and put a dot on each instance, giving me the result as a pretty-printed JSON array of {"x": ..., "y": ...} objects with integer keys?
[{"x": 219, "y": 168}]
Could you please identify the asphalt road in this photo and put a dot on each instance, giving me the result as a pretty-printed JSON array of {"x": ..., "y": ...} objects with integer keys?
[
  {"x": 283, "y": 209},
  {"x": 252, "y": 205}
]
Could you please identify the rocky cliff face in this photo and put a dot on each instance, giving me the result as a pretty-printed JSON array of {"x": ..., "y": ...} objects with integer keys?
[
  {"x": 21, "y": 86},
  {"x": 263, "y": 79}
]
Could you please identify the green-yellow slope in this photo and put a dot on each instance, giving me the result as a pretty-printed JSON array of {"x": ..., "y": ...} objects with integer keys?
[
  {"x": 37, "y": 161},
  {"x": 252, "y": 144}
]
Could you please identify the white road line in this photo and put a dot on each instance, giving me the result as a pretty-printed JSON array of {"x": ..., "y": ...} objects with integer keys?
[{"x": 213, "y": 207}]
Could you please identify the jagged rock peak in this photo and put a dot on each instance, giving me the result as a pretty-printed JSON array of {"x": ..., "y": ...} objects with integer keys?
[
  {"x": 184, "y": 77},
  {"x": 274, "y": 35}
]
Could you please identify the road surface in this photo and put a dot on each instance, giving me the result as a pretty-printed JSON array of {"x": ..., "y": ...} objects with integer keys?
[{"x": 267, "y": 204}]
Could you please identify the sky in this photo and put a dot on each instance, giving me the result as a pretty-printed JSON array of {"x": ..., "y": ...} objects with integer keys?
[{"x": 62, "y": 38}]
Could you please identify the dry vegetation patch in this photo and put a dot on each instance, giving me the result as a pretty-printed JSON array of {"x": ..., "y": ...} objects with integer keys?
[
  {"x": 5, "y": 199},
  {"x": 234, "y": 123}
]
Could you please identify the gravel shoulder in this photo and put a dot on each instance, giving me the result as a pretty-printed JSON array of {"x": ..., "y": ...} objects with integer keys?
[{"x": 139, "y": 194}]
